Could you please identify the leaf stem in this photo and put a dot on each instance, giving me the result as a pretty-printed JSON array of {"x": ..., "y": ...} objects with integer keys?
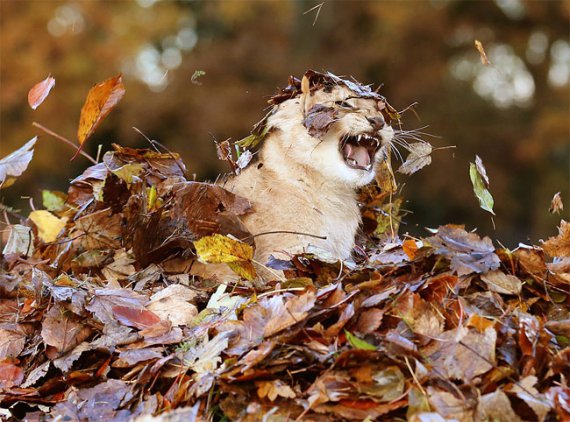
[{"x": 64, "y": 140}]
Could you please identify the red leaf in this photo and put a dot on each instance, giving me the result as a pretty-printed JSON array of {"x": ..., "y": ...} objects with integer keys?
[
  {"x": 133, "y": 317},
  {"x": 40, "y": 91}
]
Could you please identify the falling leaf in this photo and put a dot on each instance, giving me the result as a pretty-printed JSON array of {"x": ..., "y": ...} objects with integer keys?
[
  {"x": 556, "y": 205},
  {"x": 101, "y": 99},
  {"x": 559, "y": 246},
  {"x": 197, "y": 74},
  {"x": 49, "y": 226},
  {"x": 418, "y": 158},
  {"x": 40, "y": 91},
  {"x": 482, "y": 54},
  {"x": 479, "y": 180},
  {"x": 499, "y": 282},
  {"x": 14, "y": 164},
  {"x": 358, "y": 343}
]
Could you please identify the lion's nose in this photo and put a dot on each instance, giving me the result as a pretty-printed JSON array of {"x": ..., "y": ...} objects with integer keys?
[{"x": 376, "y": 122}]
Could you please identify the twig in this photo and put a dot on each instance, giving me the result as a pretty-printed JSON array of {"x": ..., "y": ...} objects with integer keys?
[
  {"x": 65, "y": 140},
  {"x": 283, "y": 232},
  {"x": 318, "y": 7}
]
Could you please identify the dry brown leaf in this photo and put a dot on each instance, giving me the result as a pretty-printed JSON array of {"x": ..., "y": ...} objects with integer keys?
[
  {"x": 418, "y": 158},
  {"x": 559, "y": 246},
  {"x": 101, "y": 99},
  {"x": 40, "y": 91},
  {"x": 274, "y": 389},
  {"x": 12, "y": 340},
  {"x": 11, "y": 375},
  {"x": 467, "y": 252},
  {"x": 63, "y": 330},
  {"x": 462, "y": 354},
  {"x": 498, "y": 281},
  {"x": 172, "y": 303}
]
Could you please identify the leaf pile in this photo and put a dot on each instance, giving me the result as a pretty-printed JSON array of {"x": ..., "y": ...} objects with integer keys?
[{"x": 102, "y": 318}]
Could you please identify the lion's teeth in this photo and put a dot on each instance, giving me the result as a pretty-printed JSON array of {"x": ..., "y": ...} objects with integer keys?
[{"x": 352, "y": 162}]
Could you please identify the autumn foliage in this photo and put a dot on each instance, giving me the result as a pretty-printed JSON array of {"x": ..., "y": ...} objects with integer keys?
[{"x": 102, "y": 319}]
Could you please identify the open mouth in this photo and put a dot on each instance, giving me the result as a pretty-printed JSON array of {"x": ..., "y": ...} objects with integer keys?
[{"x": 358, "y": 151}]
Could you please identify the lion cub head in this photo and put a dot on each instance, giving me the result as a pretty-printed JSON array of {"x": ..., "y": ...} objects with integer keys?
[{"x": 330, "y": 126}]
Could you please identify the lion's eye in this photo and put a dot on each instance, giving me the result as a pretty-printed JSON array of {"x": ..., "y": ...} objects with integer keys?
[{"x": 343, "y": 104}]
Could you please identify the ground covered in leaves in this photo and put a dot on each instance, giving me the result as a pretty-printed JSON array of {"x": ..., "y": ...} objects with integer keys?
[{"x": 101, "y": 319}]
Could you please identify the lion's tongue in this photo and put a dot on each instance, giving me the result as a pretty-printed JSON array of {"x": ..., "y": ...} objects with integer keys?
[{"x": 358, "y": 153}]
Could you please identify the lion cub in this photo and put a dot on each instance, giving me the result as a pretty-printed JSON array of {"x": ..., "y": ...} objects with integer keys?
[{"x": 324, "y": 138}]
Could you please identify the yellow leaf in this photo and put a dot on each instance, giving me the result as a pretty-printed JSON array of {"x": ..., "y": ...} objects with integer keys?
[
  {"x": 219, "y": 249},
  {"x": 48, "y": 224},
  {"x": 244, "y": 269},
  {"x": 101, "y": 99},
  {"x": 222, "y": 249}
]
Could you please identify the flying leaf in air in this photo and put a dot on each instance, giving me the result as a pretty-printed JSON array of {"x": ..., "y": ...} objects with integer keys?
[
  {"x": 219, "y": 249},
  {"x": 556, "y": 205},
  {"x": 40, "y": 91},
  {"x": 480, "y": 183},
  {"x": 101, "y": 99},
  {"x": 14, "y": 164},
  {"x": 418, "y": 158},
  {"x": 482, "y": 54}
]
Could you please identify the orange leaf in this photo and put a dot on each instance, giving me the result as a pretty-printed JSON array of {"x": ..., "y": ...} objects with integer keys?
[
  {"x": 410, "y": 247},
  {"x": 101, "y": 99},
  {"x": 40, "y": 91}
]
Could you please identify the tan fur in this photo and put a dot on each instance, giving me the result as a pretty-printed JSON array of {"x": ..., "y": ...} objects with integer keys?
[{"x": 302, "y": 184}]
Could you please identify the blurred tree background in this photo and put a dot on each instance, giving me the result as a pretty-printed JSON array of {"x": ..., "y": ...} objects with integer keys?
[{"x": 514, "y": 114}]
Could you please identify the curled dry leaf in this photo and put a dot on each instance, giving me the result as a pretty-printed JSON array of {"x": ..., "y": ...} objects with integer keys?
[
  {"x": 101, "y": 99},
  {"x": 559, "y": 246},
  {"x": 14, "y": 164},
  {"x": 40, "y": 91},
  {"x": 556, "y": 205}
]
